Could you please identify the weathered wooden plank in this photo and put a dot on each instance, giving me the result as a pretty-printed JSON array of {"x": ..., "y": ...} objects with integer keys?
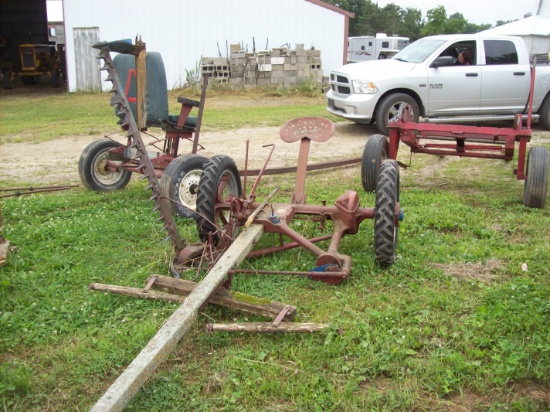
[
  {"x": 267, "y": 327},
  {"x": 176, "y": 290},
  {"x": 142, "y": 367}
]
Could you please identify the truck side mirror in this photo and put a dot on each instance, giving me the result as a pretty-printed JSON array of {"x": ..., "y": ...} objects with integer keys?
[{"x": 443, "y": 61}]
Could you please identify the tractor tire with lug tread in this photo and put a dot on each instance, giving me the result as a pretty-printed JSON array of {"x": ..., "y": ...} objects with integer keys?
[
  {"x": 536, "y": 182},
  {"x": 544, "y": 113},
  {"x": 375, "y": 152},
  {"x": 180, "y": 182},
  {"x": 220, "y": 181},
  {"x": 390, "y": 109},
  {"x": 91, "y": 168},
  {"x": 385, "y": 225}
]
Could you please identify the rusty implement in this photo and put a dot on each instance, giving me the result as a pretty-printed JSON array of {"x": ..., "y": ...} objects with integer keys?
[
  {"x": 466, "y": 141},
  {"x": 158, "y": 348},
  {"x": 223, "y": 209}
]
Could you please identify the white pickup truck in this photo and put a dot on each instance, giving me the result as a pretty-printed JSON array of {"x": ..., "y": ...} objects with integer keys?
[{"x": 427, "y": 76}]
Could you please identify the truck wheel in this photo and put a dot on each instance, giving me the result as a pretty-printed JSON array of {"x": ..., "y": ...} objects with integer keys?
[
  {"x": 92, "y": 171},
  {"x": 390, "y": 109},
  {"x": 385, "y": 225},
  {"x": 375, "y": 152},
  {"x": 180, "y": 182},
  {"x": 536, "y": 183},
  {"x": 220, "y": 182},
  {"x": 6, "y": 80},
  {"x": 544, "y": 113}
]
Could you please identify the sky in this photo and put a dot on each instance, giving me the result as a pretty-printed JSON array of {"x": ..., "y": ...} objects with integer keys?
[{"x": 475, "y": 11}]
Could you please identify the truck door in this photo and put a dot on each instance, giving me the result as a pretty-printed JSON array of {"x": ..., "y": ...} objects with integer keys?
[
  {"x": 455, "y": 90},
  {"x": 505, "y": 82}
]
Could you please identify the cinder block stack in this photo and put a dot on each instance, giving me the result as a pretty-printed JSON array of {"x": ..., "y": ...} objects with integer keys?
[{"x": 279, "y": 67}]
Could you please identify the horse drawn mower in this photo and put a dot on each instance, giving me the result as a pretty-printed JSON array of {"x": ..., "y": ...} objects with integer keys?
[{"x": 230, "y": 222}]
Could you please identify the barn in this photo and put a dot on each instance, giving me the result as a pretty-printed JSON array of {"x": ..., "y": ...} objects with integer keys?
[{"x": 184, "y": 31}]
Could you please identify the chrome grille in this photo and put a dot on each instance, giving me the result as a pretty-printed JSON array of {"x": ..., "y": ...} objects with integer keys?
[{"x": 340, "y": 84}]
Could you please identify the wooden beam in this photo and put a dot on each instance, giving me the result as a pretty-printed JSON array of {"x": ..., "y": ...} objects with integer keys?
[
  {"x": 141, "y": 84},
  {"x": 267, "y": 327},
  {"x": 175, "y": 290},
  {"x": 160, "y": 346}
]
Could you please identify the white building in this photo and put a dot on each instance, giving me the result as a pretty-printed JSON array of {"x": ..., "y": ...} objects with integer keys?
[
  {"x": 183, "y": 31},
  {"x": 534, "y": 30}
]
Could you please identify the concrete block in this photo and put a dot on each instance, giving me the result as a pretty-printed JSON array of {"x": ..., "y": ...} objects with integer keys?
[
  {"x": 277, "y": 60},
  {"x": 314, "y": 53},
  {"x": 278, "y": 67},
  {"x": 264, "y": 67},
  {"x": 293, "y": 59},
  {"x": 314, "y": 60},
  {"x": 263, "y": 81},
  {"x": 275, "y": 53},
  {"x": 301, "y": 53},
  {"x": 234, "y": 81},
  {"x": 277, "y": 80},
  {"x": 301, "y": 59},
  {"x": 219, "y": 61},
  {"x": 299, "y": 46}
]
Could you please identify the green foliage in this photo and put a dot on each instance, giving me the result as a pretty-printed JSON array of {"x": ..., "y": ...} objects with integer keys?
[
  {"x": 370, "y": 19},
  {"x": 457, "y": 323}
]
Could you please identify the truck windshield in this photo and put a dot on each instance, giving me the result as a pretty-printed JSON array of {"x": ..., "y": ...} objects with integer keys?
[{"x": 419, "y": 50}]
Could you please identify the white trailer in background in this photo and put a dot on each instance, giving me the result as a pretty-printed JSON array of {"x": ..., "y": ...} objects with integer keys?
[{"x": 381, "y": 46}]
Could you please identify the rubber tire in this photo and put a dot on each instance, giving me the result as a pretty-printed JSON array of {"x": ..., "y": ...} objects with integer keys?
[
  {"x": 54, "y": 79},
  {"x": 390, "y": 107},
  {"x": 6, "y": 80},
  {"x": 375, "y": 152},
  {"x": 385, "y": 228},
  {"x": 92, "y": 177},
  {"x": 218, "y": 167},
  {"x": 28, "y": 80},
  {"x": 544, "y": 113},
  {"x": 536, "y": 182},
  {"x": 180, "y": 182}
]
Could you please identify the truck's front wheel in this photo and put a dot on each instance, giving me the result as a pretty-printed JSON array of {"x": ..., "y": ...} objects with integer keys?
[
  {"x": 390, "y": 109},
  {"x": 544, "y": 113}
]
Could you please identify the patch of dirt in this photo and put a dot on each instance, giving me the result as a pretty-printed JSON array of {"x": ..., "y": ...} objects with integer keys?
[
  {"x": 56, "y": 162},
  {"x": 483, "y": 272}
]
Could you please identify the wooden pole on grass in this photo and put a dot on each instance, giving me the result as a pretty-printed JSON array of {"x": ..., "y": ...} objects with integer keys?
[{"x": 160, "y": 346}]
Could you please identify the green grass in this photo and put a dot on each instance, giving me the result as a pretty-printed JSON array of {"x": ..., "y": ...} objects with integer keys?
[
  {"x": 460, "y": 322},
  {"x": 45, "y": 117}
]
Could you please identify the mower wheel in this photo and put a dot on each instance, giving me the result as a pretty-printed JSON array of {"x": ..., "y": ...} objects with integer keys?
[
  {"x": 220, "y": 182},
  {"x": 180, "y": 182},
  {"x": 385, "y": 224},
  {"x": 375, "y": 152},
  {"x": 536, "y": 182},
  {"x": 92, "y": 171}
]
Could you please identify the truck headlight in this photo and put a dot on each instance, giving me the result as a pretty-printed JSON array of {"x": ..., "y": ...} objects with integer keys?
[{"x": 364, "y": 87}]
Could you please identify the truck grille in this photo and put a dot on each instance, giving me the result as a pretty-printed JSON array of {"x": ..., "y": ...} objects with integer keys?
[{"x": 340, "y": 84}]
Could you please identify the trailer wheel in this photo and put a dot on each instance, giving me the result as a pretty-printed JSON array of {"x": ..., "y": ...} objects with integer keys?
[
  {"x": 390, "y": 109},
  {"x": 536, "y": 182},
  {"x": 220, "y": 182},
  {"x": 385, "y": 225},
  {"x": 180, "y": 182},
  {"x": 544, "y": 113},
  {"x": 375, "y": 152},
  {"x": 92, "y": 171}
]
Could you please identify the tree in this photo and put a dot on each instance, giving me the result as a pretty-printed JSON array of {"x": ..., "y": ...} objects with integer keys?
[
  {"x": 412, "y": 23},
  {"x": 456, "y": 23},
  {"x": 436, "y": 22}
]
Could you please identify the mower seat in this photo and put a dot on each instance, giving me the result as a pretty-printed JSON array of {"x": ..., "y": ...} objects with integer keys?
[{"x": 156, "y": 94}]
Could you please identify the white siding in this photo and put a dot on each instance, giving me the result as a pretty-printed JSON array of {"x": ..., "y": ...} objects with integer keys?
[{"x": 183, "y": 31}]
